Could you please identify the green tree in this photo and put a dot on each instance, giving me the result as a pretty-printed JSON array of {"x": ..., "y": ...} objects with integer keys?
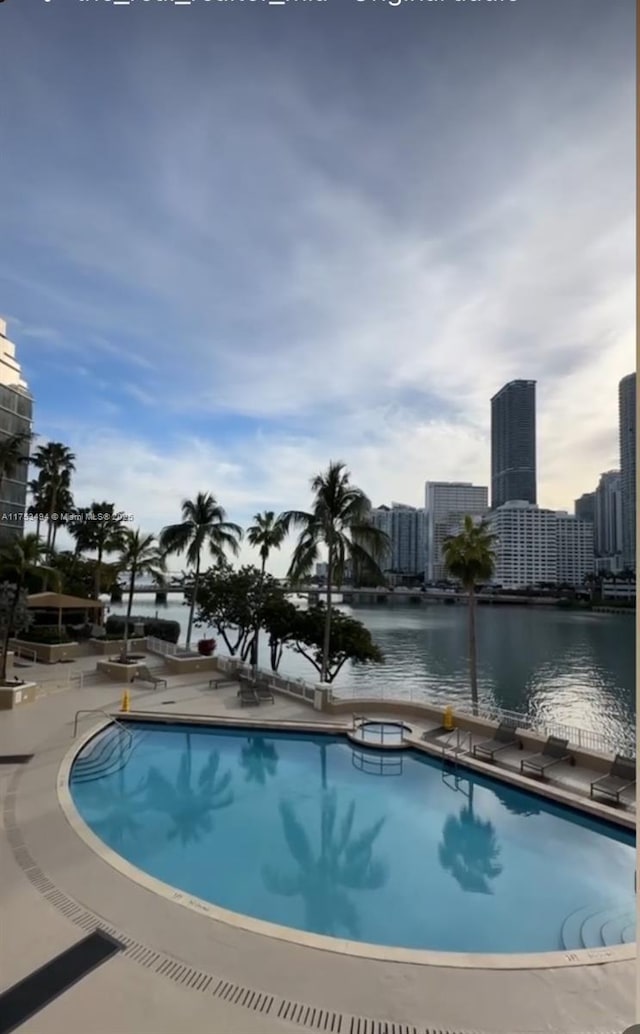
[
  {"x": 189, "y": 807},
  {"x": 259, "y": 759},
  {"x": 343, "y": 863},
  {"x": 99, "y": 530},
  {"x": 14, "y": 455},
  {"x": 267, "y": 533},
  {"x": 203, "y": 526},
  {"x": 469, "y": 557},
  {"x": 350, "y": 641},
  {"x": 139, "y": 556},
  {"x": 469, "y": 850},
  {"x": 56, "y": 464},
  {"x": 19, "y": 558},
  {"x": 229, "y": 601},
  {"x": 279, "y": 619},
  {"x": 339, "y": 521},
  {"x": 15, "y": 616}
]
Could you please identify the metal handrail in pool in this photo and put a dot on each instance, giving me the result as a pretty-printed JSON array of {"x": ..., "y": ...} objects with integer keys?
[{"x": 99, "y": 710}]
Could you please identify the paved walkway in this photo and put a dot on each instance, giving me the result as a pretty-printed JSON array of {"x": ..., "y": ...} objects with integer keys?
[{"x": 185, "y": 971}]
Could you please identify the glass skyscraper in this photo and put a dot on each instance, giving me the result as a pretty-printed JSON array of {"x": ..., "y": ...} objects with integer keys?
[{"x": 513, "y": 444}]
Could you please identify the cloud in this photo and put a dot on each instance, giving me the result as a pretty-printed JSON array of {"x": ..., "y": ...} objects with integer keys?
[{"x": 251, "y": 280}]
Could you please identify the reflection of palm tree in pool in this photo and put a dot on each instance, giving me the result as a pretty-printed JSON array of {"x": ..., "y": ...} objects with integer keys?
[
  {"x": 259, "y": 758},
  {"x": 517, "y": 803},
  {"x": 344, "y": 863},
  {"x": 469, "y": 850},
  {"x": 189, "y": 807}
]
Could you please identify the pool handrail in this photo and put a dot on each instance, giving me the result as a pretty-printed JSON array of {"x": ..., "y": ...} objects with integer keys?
[{"x": 99, "y": 710}]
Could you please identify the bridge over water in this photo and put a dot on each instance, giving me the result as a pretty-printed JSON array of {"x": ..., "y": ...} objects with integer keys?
[{"x": 360, "y": 597}]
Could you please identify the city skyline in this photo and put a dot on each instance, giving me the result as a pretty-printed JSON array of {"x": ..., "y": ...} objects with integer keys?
[{"x": 223, "y": 276}]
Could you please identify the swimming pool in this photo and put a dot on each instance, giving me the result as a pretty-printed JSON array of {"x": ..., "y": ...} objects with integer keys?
[{"x": 293, "y": 829}]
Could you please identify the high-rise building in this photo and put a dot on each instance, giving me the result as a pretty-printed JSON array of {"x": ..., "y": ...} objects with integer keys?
[
  {"x": 526, "y": 546},
  {"x": 584, "y": 507},
  {"x": 513, "y": 443},
  {"x": 575, "y": 549},
  {"x": 627, "y": 424},
  {"x": 405, "y": 526},
  {"x": 607, "y": 527},
  {"x": 535, "y": 546},
  {"x": 16, "y": 415},
  {"x": 447, "y": 503}
]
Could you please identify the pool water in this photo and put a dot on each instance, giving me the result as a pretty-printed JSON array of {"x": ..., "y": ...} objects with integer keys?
[{"x": 296, "y": 830}]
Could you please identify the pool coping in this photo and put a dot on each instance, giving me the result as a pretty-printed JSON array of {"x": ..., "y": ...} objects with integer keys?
[{"x": 363, "y": 950}]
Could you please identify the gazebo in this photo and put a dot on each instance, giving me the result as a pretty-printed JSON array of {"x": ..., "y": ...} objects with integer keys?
[{"x": 59, "y": 602}]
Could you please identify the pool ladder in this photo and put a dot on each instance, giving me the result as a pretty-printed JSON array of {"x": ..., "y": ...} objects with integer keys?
[{"x": 462, "y": 745}]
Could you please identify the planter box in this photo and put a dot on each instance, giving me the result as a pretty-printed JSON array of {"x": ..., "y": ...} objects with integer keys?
[
  {"x": 104, "y": 647},
  {"x": 177, "y": 665},
  {"x": 120, "y": 672},
  {"x": 50, "y": 653},
  {"x": 13, "y": 696}
]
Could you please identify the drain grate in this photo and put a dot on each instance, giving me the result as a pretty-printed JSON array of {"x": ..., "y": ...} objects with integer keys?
[{"x": 299, "y": 1013}]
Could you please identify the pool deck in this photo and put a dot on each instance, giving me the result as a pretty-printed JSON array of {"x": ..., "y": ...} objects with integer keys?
[{"x": 183, "y": 971}]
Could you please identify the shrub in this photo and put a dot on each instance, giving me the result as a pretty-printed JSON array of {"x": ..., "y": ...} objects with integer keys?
[
  {"x": 46, "y": 634},
  {"x": 168, "y": 631}
]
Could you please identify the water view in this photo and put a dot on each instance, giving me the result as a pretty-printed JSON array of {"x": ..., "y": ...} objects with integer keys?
[
  {"x": 294, "y": 829},
  {"x": 576, "y": 667}
]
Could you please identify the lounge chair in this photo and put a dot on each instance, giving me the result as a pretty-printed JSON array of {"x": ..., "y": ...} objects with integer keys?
[
  {"x": 621, "y": 776},
  {"x": 555, "y": 751},
  {"x": 144, "y": 674},
  {"x": 505, "y": 736},
  {"x": 248, "y": 695},
  {"x": 221, "y": 680}
]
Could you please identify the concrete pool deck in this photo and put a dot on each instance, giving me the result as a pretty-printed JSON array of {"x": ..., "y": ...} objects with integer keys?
[{"x": 185, "y": 971}]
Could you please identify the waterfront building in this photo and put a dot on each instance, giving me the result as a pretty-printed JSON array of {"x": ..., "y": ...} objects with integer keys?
[
  {"x": 513, "y": 443},
  {"x": 405, "y": 526},
  {"x": 446, "y": 505},
  {"x": 608, "y": 523},
  {"x": 574, "y": 549},
  {"x": 627, "y": 431},
  {"x": 526, "y": 545},
  {"x": 16, "y": 415},
  {"x": 585, "y": 506}
]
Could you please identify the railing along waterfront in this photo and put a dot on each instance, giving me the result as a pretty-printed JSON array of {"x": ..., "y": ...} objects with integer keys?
[
  {"x": 544, "y": 725},
  {"x": 162, "y": 647}
]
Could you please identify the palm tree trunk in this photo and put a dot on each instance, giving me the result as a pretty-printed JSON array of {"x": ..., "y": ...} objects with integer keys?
[
  {"x": 326, "y": 646},
  {"x": 196, "y": 579},
  {"x": 473, "y": 661},
  {"x": 97, "y": 577},
  {"x": 256, "y": 634},
  {"x": 38, "y": 528},
  {"x": 125, "y": 648}
]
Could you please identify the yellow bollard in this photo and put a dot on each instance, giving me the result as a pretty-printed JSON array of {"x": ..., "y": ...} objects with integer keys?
[
  {"x": 447, "y": 720},
  {"x": 126, "y": 703}
]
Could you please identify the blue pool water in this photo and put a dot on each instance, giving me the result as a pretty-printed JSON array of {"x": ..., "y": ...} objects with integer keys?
[{"x": 312, "y": 832}]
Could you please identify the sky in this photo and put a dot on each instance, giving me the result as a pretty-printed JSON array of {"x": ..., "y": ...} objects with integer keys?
[{"x": 238, "y": 243}]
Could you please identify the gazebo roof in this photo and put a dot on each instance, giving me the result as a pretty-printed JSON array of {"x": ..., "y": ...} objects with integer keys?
[{"x": 59, "y": 601}]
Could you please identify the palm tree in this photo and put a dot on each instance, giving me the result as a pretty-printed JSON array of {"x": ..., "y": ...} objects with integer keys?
[
  {"x": 64, "y": 505},
  {"x": 469, "y": 850},
  {"x": 100, "y": 532},
  {"x": 266, "y": 534},
  {"x": 56, "y": 463},
  {"x": 189, "y": 808},
  {"x": 343, "y": 863},
  {"x": 204, "y": 524},
  {"x": 339, "y": 520},
  {"x": 470, "y": 558},
  {"x": 36, "y": 508},
  {"x": 21, "y": 557},
  {"x": 139, "y": 556}
]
